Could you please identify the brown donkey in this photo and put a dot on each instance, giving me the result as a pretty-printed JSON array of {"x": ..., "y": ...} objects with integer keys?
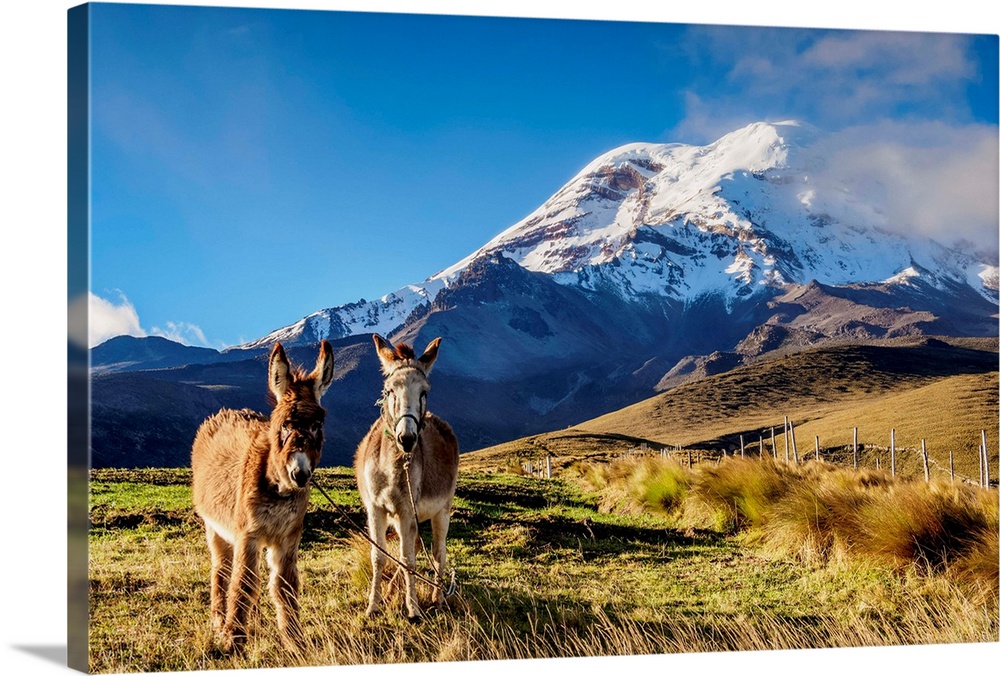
[
  {"x": 406, "y": 442},
  {"x": 250, "y": 480}
]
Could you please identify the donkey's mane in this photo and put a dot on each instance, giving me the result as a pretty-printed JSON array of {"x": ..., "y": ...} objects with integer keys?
[{"x": 404, "y": 351}]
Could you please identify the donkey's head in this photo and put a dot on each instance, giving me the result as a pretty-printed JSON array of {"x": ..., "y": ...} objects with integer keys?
[
  {"x": 296, "y": 427},
  {"x": 404, "y": 393}
]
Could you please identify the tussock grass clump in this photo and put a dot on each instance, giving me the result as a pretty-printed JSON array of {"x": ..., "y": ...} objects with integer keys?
[
  {"x": 931, "y": 525},
  {"x": 662, "y": 486},
  {"x": 814, "y": 521},
  {"x": 739, "y": 493},
  {"x": 818, "y": 518},
  {"x": 822, "y": 514},
  {"x": 639, "y": 485},
  {"x": 978, "y": 569},
  {"x": 819, "y": 513},
  {"x": 596, "y": 476}
]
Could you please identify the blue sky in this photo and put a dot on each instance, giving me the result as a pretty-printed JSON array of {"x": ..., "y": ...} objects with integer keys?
[{"x": 251, "y": 166}]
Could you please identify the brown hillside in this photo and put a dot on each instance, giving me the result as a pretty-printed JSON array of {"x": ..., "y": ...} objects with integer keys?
[{"x": 932, "y": 390}]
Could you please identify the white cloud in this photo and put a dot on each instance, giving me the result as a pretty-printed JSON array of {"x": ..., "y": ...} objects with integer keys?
[
  {"x": 898, "y": 58},
  {"x": 118, "y": 317},
  {"x": 182, "y": 332},
  {"x": 832, "y": 79},
  {"x": 932, "y": 178},
  {"x": 896, "y": 102},
  {"x": 109, "y": 318}
]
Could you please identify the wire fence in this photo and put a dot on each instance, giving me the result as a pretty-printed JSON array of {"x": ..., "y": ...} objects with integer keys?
[{"x": 765, "y": 443}]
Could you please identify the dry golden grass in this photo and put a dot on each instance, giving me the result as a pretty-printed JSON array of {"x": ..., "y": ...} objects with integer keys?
[
  {"x": 542, "y": 572},
  {"x": 823, "y": 514}
]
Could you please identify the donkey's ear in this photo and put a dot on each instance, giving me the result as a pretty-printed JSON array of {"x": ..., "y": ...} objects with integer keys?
[
  {"x": 430, "y": 354},
  {"x": 277, "y": 371},
  {"x": 322, "y": 375},
  {"x": 386, "y": 353}
]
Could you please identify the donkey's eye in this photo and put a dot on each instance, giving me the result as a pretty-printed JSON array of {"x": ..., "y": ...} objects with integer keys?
[{"x": 286, "y": 431}]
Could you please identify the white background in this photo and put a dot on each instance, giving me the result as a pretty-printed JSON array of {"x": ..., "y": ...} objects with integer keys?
[{"x": 33, "y": 326}]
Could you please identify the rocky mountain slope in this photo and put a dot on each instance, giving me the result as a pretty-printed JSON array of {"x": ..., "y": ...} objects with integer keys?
[{"x": 657, "y": 264}]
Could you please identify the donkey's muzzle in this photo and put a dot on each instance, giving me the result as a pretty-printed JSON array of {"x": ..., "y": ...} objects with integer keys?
[
  {"x": 407, "y": 441},
  {"x": 300, "y": 470},
  {"x": 301, "y": 476}
]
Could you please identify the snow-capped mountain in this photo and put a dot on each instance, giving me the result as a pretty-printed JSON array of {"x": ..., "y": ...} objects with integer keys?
[
  {"x": 655, "y": 265},
  {"x": 383, "y": 316},
  {"x": 740, "y": 219}
]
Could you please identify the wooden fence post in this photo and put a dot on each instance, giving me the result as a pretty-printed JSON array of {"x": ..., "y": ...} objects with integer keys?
[
  {"x": 923, "y": 452},
  {"x": 892, "y": 451},
  {"x": 760, "y": 441},
  {"x": 986, "y": 462},
  {"x": 980, "y": 465},
  {"x": 741, "y": 446},
  {"x": 548, "y": 467},
  {"x": 774, "y": 449},
  {"x": 951, "y": 463},
  {"x": 689, "y": 459},
  {"x": 817, "y": 448},
  {"x": 786, "y": 439},
  {"x": 795, "y": 448},
  {"x": 855, "y": 448}
]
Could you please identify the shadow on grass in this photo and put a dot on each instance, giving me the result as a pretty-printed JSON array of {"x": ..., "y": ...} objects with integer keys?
[{"x": 492, "y": 504}]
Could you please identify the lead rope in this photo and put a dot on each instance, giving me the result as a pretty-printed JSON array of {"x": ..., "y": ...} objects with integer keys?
[
  {"x": 351, "y": 526},
  {"x": 450, "y": 591},
  {"x": 407, "y": 457},
  {"x": 452, "y": 585}
]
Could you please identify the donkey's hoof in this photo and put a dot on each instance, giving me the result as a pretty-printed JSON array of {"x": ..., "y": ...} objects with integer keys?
[{"x": 231, "y": 643}]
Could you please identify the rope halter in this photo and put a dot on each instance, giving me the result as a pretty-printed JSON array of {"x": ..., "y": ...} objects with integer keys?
[{"x": 391, "y": 422}]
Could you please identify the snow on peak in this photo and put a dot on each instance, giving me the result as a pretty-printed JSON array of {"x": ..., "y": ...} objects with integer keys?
[
  {"x": 588, "y": 220},
  {"x": 734, "y": 217},
  {"x": 904, "y": 276}
]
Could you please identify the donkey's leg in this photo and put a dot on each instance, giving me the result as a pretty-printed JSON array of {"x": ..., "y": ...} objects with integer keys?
[
  {"x": 439, "y": 526},
  {"x": 243, "y": 588},
  {"x": 284, "y": 589},
  {"x": 408, "y": 555},
  {"x": 222, "y": 564},
  {"x": 376, "y": 530}
]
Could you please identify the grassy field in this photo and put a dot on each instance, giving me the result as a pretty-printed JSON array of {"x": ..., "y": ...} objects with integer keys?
[{"x": 605, "y": 559}]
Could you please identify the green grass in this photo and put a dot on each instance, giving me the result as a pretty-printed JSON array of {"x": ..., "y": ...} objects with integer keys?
[{"x": 544, "y": 568}]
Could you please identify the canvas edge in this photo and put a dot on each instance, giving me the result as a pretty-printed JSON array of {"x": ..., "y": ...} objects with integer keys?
[{"x": 78, "y": 356}]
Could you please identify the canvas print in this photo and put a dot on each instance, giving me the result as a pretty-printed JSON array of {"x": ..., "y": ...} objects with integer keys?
[{"x": 410, "y": 338}]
